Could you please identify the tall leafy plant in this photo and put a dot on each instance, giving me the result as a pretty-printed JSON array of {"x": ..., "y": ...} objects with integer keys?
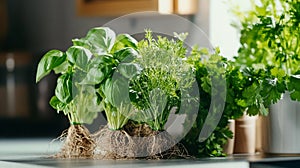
[
  {"x": 85, "y": 85},
  {"x": 111, "y": 71},
  {"x": 163, "y": 80},
  {"x": 270, "y": 41}
]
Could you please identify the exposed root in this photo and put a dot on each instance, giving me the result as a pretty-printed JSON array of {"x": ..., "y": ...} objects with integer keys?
[
  {"x": 77, "y": 143},
  {"x": 114, "y": 144},
  {"x": 136, "y": 141},
  {"x": 155, "y": 144}
]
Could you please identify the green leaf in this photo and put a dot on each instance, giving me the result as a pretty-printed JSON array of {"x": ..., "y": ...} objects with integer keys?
[
  {"x": 50, "y": 60},
  {"x": 100, "y": 67},
  {"x": 126, "y": 55},
  {"x": 124, "y": 40},
  {"x": 129, "y": 70},
  {"x": 252, "y": 110},
  {"x": 294, "y": 87},
  {"x": 63, "y": 90},
  {"x": 79, "y": 56},
  {"x": 97, "y": 74},
  {"x": 102, "y": 60},
  {"x": 62, "y": 68},
  {"x": 100, "y": 40},
  {"x": 81, "y": 42},
  {"x": 250, "y": 94},
  {"x": 279, "y": 73},
  {"x": 206, "y": 84},
  {"x": 116, "y": 90},
  {"x": 263, "y": 110},
  {"x": 57, "y": 104},
  {"x": 87, "y": 104},
  {"x": 158, "y": 102}
]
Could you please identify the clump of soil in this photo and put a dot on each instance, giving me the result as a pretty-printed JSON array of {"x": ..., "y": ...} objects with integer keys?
[
  {"x": 113, "y": 144},
  {"x": 154, "y": 144},
  {"x": 136, "y": 141},
  {"x": 77, "y": 143}
]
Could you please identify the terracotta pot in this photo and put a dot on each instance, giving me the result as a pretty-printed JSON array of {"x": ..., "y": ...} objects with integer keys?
[
  {"x": 229, "y": 146},
  {"x": 245, "y": 134}
]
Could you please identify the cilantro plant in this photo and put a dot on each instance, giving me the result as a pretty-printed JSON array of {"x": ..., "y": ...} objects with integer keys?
[
  {"x": 270, "y": 42},
  {"x": 242, "y": 91},
  {"x": 209, "y": 69}
]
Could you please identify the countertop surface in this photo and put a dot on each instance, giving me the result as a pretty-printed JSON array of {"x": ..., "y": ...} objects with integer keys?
[{"x": 31, "y": 153}]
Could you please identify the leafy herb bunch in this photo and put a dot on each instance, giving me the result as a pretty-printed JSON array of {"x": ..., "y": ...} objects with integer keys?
[
  {"x": 270, "y": 42},
  {"x": 85, "y": 86},
  {"x": 239, "y": 90},
  {"x": 164, "y": 81}
]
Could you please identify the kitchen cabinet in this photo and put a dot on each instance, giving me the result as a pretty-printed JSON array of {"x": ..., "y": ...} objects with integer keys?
[{"x": 122, "y": 7}]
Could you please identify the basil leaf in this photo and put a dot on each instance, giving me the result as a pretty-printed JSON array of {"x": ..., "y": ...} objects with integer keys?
[
  {"x": 87, "y": 104},
  {"x": 50, "y": 60},
  {"x": 81, "y": 42},
  {"x": 126, "y": 55},
  {"x": 116, "y": 90},
  {"x": 129, "y": 70},
  {"x": 63, "y": 90},
  {"x": 62, "y": 68},
  {"x": 106, "y": 89},
  {"x": 124, "y": 40},
  {"x": 97, "y": 74},
  {"x": 57, "y": 104},
  {"x": 100, "y": 68},
  {"x": 103, "y": 59},
  {"x": 79, "y": 56},
  {"x": 93, "y": 104},
  {"x": 101, "y": 40}
]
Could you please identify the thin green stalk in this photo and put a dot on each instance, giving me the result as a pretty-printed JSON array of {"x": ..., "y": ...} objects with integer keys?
[{"x": 114, "y": 116}]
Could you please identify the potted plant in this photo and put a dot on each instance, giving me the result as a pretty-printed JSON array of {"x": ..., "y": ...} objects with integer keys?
[
  {"x": 137, "y": 84},
  {"x": 239, "y": 90},
  {"x": 269, "y": 41}
]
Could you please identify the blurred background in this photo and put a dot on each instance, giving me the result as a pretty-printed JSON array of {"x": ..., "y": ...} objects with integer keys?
[{"x": 28, "y": 29}]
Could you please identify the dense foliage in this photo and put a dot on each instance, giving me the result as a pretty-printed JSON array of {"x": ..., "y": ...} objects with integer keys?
[
  {"x": 270, "y": 42},
  {"x": 85, "y": 86},
  {"x": 163, "y": 82}
]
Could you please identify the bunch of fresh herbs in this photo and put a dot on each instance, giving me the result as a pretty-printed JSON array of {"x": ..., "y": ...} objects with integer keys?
[
  {"x": 270, "y": 42},
  {"x": 163, "y": 81}
]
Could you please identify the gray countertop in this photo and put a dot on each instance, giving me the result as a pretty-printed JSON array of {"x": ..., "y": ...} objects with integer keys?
[{"x": 33, "y": 153}]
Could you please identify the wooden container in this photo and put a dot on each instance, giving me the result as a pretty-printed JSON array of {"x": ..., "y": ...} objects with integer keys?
[
  {"x": 245, "y": 134},
  {"x": 184, "y": 7},
  {"x": 229, "y": 146}
]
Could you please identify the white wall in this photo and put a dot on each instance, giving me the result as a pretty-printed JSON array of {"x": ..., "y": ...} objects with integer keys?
[{"x": 222, "y": 34}]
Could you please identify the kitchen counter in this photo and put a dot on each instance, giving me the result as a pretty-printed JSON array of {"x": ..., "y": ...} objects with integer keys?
[{"x": 35, "y": 153}]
